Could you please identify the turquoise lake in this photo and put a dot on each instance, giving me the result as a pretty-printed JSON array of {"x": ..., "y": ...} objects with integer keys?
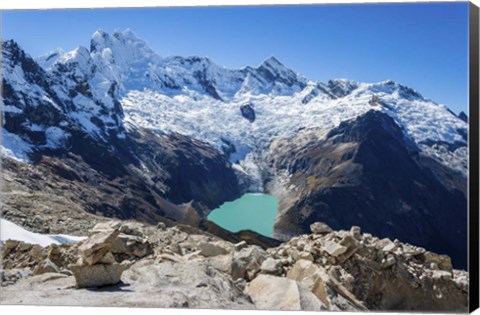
[{"x": 254, "y": 212}]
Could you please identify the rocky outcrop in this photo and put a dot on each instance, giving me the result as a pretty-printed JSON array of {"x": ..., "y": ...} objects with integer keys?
[
  {"x": 463, "y": 116},
  {"x": 367, "y": 173},
  {"x": 185, "y": 179},
  {"x": 278, "y": 293},
  {"x": 304, "y": 273},
  {"x": 370, "y": 273},
  {"x": 248, "y": 112}
]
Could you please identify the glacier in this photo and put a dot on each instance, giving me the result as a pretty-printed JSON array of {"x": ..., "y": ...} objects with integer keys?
[{"x": 196, "y": 97}]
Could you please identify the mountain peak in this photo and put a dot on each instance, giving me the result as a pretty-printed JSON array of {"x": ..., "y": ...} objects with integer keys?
[
  {"x": 99, "y": 40},
  {"x": 272, "y": 61},
  {"x": 47, "y": 60},
  {"x": 275, "y": 71},
  {"x": 126, "y": 34},
  {"x": 125, "y": 45}
]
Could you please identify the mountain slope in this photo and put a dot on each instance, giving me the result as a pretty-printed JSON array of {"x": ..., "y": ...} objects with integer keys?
[
  {"x": 136, "y": 135},
  {"x": 365, "y": 172},
  {"x": 64, "y": 132}
]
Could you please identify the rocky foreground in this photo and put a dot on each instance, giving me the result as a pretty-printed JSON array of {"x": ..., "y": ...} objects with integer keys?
[{"x": 135, "y": 265}]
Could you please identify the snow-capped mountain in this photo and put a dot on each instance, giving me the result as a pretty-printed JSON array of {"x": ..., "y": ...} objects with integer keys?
[
  {"x": 198, "y": 98},
  {"x": 182, "y": 135}
]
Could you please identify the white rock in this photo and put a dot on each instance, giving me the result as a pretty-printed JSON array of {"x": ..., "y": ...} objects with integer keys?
[
  {"x": 271, "y": 266},
  {"x": 278, "y": 293},
  {"x": 334, "y": 249}
]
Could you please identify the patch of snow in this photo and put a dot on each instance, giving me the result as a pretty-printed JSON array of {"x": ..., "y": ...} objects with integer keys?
[
  {"x": 83, "y": 119},
  {"x": 14, "y": 147},
  {"x": 11, "y": 231}
]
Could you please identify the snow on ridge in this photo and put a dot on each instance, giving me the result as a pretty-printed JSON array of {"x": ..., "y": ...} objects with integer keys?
[
  {"x": 198, "y": 98},
  {"x": 47, "y": 60},
  {"x": 11, "y": 231},
  {"x": 212, "y": 120}
]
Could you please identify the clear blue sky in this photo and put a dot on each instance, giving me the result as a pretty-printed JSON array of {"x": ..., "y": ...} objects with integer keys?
[{"x": 423, "y": 45}]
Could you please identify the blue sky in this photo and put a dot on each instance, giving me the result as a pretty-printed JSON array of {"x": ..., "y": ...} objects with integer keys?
[{"x": 423, "y": 45}]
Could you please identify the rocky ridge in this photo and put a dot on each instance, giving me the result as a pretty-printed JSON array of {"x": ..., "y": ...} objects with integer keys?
[{"x": 167, "y": 267}]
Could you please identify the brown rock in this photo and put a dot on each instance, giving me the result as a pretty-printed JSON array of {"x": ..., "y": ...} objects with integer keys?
[
  {"x": 356, "y": 232},
  {"x": 132, "y": 245},
  {"x": 246, "y": 263},
  {"x": 334, "y": 249},
  {"x": 320, "y": 228},
  {"x": 271, "y": 266},
  {"x": 46, "y": 266},
  {"x": 443, "y": 262},
  {"x": 312, "y": 277},
  {"x": 97, "y": 275},
  {"x": 211, "y": 249},
  {"x": 97, "y": 245}
]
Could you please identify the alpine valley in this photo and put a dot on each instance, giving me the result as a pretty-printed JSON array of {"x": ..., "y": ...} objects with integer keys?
[{"x": 116, "y": 130}]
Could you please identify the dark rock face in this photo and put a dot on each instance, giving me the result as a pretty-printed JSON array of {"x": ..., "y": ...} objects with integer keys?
[
  {"x": 319, "y": 89},
  {"x": 463, "y": 116},
  {"x": 272, "y": 70},
  {"x": 208, "y": 85},
  {"x": 248, "y": 112},
  {"x": 367, "y": 173},
  {"x": 142, "y": 178},
  {"x": 341, "y": 88},
  {"x": 193, "y": 170},
  {"x": 31, "y": 108}
]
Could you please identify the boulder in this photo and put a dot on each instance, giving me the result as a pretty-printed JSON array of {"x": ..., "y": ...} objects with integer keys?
[
  {"x": 132, "y": 228},
  {"x": 271, "y": 266},
  {"x": 320, "y": 228},
  {"x": 107, "y": 259},
  {"x": 334, "y": 249},
  {"x": 46, "y": 266},
  {"x": 388, "y": 261},
  {"x": 248, "y": 112},
  {"x": 240, "y": 245},
  {"x": 97, "y": 275},
  {"x": 301, "y": 270},
  {"x": 356, "y": 232},
  {"x": 313, "y": 277},
  {"x": 131, "y": 245},
  {"x": 246, "y": 263},
  {"x": 220, "y": 262},
  {"x": 211, "y": 249},
  {"x": 305, "y": 256},
  {"x": 97, "y": 245},
  {"x": 443, "y": 262},
  {"x": 388, "y": 246},
  {"x": 9, "y": 246},
  {"x": 105, "y": 226},
  {"x": 277, "y": 293},
  {"x": 441, "y": 274},
  {"x": 352, "y": 246}
]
